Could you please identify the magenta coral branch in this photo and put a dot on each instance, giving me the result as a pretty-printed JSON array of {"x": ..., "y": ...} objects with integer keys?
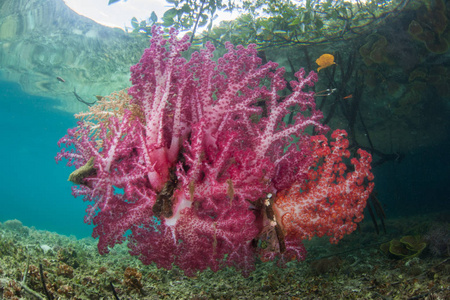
[
  {"x": 277, "y": 110},
  {"x": 111, "y": 154},
  {"x": 180, "y": 129},
  {"x": 188, "y": 166}
]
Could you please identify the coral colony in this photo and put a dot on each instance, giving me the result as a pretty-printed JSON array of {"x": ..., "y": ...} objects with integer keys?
[{"x": 197, "y": 166}]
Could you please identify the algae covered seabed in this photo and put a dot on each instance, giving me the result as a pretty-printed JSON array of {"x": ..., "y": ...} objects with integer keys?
[{"x": 356, "y": 268}]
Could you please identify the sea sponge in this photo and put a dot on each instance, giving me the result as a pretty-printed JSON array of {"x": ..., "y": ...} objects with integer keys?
[
  {"x": 436, "y": 76},
  {"x": 439, "y": 240},
  {"x": 407, "y": 247},
  {"x": 434, "y": 16},
  {"x": 373, "y": 78},
  {"x": 375, "y": 51},
  {"x": 132, "y": 278},
  {"x": 414, "y": 243},
  {"x": 439, "y": 45},
  {"x": 418, "y": 74},
  {"x": 393, "y": 88},
  {"x": 429, "y": 27},
  {"x": 415, "y": 29}
]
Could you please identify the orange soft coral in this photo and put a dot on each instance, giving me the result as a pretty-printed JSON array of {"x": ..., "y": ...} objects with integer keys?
[{"x": 332, "y": 200}]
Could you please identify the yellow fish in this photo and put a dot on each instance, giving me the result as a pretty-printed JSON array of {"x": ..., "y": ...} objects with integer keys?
[{"x": 324, "y": 61}]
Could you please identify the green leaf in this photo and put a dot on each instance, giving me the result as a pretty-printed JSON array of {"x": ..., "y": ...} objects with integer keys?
[
  {"x": 343, "y": 10},
  {"x": 153, "y": 17},
  {"x": 186, "y": 8},
  {"x": 295, "y": 22},
  {"x": 169, "y": 14},
  {"x": 204, "y": 19},
  {"x": 334, "y": 15},
  {"x": 167, "y": 21},
  {"x": 327, "y": 4},
  {"x": 246, "y": 18},
  {"x": 134, "y": 23},
  {"x": 264, "y": 23},
  {"x": 197, "y": 43},
  {"x": 318, "y": 23},
  {"x": 302, "y": 27},
  {"x": 308, "y": 15},
  {"x": 308, "y": 4}
]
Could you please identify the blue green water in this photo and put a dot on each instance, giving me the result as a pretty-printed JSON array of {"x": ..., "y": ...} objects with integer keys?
[{"x": 34, "y": 189}]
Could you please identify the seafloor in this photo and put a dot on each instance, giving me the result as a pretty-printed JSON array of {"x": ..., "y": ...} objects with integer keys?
[{"x": 356, "y": 268}]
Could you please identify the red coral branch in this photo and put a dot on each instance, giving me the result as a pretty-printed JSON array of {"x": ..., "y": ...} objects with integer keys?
[{"x": 331, "y": 201}]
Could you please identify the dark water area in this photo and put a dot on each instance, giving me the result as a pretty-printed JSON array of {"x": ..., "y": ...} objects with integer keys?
[
  {"x": 34, "y": 189},
  {"x": 417, "y": 184}
]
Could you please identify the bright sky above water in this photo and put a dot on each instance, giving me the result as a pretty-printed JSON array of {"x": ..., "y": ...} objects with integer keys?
[{"x": 120, "y": 13}]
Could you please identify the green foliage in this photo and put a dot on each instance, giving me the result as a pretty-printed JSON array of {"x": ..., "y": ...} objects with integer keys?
[
  {"x": 144, "y": 27},
  {"x": 274, "y": 23},
  {"x": 270, "y": 23}
]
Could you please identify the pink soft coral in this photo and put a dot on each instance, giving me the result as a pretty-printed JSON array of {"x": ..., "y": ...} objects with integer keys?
[{"x": 187, "y": 172}]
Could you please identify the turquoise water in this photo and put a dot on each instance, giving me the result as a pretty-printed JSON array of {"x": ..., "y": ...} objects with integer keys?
[{"x": 34, "y": 189}]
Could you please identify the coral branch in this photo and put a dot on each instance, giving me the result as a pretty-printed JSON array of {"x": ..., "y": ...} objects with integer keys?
[{"x": 330, "y": 202}]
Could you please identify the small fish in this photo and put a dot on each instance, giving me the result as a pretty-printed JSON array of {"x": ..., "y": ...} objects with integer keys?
[
  {"x": 348, "y": 97},
  {"x": 324, "y": 61},
  {"x": 325, "y": 93},
  {"x": 99, "y": 97},
  {"x": 60, "y": 79}
]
